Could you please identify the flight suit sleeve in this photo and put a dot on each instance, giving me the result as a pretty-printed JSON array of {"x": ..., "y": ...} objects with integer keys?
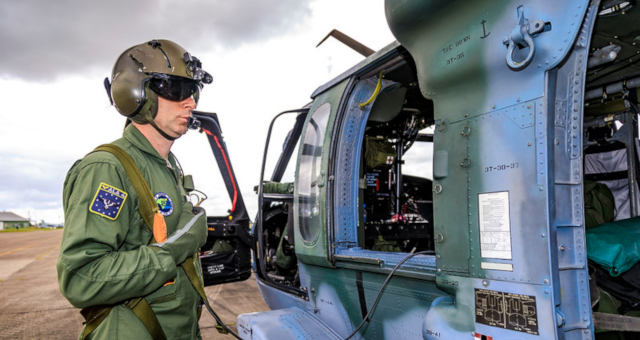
[{"x": 98, "y": 263}]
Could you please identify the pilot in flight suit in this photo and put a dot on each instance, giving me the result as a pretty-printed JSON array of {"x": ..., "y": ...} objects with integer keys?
[{"x": 109, "y": 258}]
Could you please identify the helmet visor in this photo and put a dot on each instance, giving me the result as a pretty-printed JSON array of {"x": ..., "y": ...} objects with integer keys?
[{"x": 174, "y": 88}]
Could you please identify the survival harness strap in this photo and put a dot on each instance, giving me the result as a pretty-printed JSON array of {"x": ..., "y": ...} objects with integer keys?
[{"x": 147, "y": 208}]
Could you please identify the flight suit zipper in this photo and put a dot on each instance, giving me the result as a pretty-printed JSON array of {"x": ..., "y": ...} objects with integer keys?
[{"x": 176, "y": 178}]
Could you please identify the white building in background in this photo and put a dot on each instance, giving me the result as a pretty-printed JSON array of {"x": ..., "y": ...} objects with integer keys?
[{"x": 12, "y": 220}]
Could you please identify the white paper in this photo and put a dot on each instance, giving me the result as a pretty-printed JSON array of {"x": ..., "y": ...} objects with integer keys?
[
  {"x": 495, "y": 225},
  {"x": 497, "y": 266}
]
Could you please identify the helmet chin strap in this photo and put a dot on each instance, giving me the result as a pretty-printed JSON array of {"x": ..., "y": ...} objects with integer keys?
[{"x": 162, "y": 133}]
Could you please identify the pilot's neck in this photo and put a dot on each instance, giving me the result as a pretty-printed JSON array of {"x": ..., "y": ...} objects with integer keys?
[{"x": 158, "y": 142}]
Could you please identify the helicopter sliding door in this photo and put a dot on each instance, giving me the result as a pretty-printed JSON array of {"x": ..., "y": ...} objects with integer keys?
[{"x": 381, "y": 200}]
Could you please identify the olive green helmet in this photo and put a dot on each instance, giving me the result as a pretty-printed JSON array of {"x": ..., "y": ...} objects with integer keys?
[{"x": 144, "y": 71}]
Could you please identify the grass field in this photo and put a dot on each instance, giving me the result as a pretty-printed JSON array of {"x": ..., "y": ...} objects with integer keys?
[{"x": 27, "y": 229}]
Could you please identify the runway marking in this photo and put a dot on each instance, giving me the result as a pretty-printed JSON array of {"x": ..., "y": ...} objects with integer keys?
[
  {"x": 23, "y": 247},
  {"x": 38, "y": 311},
  {"x": 216, "y": 292},
  {"x": 10, "y": 267},
  {"x": 41, "y": 256}
]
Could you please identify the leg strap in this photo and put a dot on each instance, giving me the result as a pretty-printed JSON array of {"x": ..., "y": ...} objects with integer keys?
[
  {"x": 190, "y": 269},
  {"x": 93, "y": 317},
  {"x": 140, "y": 308}
]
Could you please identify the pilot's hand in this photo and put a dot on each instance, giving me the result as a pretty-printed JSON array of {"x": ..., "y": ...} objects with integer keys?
[{"x": 190, "y": 236}]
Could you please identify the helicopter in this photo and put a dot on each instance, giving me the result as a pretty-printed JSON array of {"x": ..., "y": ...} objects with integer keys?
[{"x": 439, "y": 184}]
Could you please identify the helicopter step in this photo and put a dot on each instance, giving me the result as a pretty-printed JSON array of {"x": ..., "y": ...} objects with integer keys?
[{"x": 287, "y": 323}]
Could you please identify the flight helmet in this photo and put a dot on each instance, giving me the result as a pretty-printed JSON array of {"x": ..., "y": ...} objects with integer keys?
[{"x": 151, "y": 69}]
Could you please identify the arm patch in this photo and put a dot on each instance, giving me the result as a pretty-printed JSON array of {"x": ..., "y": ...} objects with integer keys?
[{"x": 108, "y": 201}]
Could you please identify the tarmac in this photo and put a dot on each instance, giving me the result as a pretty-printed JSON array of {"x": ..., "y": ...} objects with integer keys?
[{"x": 31, "y": 306}]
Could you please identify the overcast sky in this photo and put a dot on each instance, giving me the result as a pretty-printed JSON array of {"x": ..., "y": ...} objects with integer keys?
[{"x": 54, "y": 56}]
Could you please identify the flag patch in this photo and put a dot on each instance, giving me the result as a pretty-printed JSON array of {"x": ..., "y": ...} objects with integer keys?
[{"x": 108, "y": 201}]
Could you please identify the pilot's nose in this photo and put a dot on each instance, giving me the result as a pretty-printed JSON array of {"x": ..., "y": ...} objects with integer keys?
[{"x": 189, "y": 103}]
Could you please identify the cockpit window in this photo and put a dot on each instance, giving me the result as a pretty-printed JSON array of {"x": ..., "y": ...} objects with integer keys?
[{"x": 310, "y": 176}]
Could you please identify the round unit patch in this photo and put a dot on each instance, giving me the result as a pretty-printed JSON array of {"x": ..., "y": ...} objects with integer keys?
[{"x": 165, "y": 204}]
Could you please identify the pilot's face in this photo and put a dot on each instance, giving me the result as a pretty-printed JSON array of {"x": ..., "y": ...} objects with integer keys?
[{"x": 173, "y": 116}]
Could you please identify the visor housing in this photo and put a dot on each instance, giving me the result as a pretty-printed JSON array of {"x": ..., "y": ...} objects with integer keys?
[{"x": 175, "y": 88}]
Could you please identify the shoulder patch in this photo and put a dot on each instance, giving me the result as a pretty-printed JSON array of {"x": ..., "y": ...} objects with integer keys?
[{"x": 108, "y": 201}]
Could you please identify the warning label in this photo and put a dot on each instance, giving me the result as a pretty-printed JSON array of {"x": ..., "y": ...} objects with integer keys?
[
  {"x": 495, "y": 226},
  {"x": 506, "y": 310}
]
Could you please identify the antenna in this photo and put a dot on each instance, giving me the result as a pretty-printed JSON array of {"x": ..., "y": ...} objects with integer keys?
[{"x": 347, "y": 40}]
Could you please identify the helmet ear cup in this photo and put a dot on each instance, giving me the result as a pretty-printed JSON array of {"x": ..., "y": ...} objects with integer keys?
[
  {"x": 149, "y": 108},
  {"x": 127, "y": 85}
]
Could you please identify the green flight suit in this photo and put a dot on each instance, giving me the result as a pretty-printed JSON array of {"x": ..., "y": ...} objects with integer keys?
[{"x": 105, "y": 257}]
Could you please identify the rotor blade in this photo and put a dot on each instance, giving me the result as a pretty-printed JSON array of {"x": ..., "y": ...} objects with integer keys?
[{"x": 347, "y": 40}]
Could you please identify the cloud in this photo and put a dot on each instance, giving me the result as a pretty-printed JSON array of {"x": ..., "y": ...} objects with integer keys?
[
  {"x": 42, "y": 40},
  {"x": 33, "y": 183}
]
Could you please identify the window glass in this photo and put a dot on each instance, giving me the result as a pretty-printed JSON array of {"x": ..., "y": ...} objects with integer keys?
[
  {"x": 282, "y": 129},
  {"x": 418, "y": 160},
  {"x": 310, "y": 173}
]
